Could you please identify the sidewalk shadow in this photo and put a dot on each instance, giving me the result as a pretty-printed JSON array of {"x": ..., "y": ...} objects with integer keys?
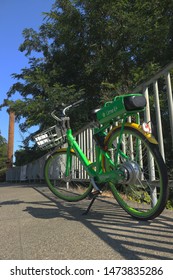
[{"x": 131, "y": 238}]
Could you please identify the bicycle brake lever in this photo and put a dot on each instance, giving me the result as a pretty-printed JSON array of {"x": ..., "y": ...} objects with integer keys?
[{"x": 55, "y": 117}]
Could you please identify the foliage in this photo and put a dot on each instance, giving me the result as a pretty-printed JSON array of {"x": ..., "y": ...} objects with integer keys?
[
  {"x": 93, "y": 49},
  {"x": 27, "y": 155},
  {"x": 3, "y": 157},
  {"x": 169, "y": 204}
]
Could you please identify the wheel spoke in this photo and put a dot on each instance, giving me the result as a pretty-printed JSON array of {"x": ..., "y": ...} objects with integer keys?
[{"x": 69, "y": 187}]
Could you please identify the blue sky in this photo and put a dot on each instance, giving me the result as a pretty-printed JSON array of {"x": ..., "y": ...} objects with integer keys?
[{"x": 15, "y": 15}]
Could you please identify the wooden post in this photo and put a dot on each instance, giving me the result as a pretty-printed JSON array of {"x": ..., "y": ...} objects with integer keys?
[{"x": 10, "y": 146}]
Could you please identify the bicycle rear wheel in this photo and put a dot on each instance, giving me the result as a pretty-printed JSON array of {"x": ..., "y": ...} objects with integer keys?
[
  {"x": 70, "y": 188},
  {"x": 144, "y": 192}
]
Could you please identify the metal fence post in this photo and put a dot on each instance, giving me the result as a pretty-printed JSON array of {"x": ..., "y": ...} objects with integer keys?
[
  {"x": 147, "y": 111},
  {"x": 148, "y": 120},
  {"x": 170, "y": 101},
  {"x": 158, "y": 118}
]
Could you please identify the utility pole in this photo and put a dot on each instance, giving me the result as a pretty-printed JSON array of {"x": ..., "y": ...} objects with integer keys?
[{"x": 10, "y": 146}]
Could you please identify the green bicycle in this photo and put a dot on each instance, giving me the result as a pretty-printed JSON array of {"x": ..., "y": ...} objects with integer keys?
[{"x": 127, "y": 160}]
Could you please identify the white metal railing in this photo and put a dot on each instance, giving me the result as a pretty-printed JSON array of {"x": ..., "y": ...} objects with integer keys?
[
  {"x": 161, "y": 86},
  {"x": 34, "y": 171}
]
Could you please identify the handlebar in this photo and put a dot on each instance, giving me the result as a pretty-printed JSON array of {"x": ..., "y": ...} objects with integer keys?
[
  {"x": 72, "y": 105},
  {"x": 75, "y": 104}
]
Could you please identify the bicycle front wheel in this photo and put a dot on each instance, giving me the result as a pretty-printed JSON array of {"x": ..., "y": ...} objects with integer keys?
[
  {"x": 144, "y": 192},
  {"x": 71, "y": 187}
]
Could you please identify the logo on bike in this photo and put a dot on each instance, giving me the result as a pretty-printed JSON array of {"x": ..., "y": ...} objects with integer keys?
[{"x": 109, "y": 112}]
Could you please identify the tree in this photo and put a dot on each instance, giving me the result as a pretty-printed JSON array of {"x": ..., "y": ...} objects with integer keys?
[
  {"x": 27, "y": 155},
  {"x": 90, "y": 48},
  {"x": 3, "y": 157}
]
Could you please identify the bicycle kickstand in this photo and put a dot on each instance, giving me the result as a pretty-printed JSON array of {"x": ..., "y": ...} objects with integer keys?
[{"x": 93, "y": 196}]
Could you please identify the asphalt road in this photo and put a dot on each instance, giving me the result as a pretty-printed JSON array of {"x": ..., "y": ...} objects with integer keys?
[{"x": 34, "y": 224}]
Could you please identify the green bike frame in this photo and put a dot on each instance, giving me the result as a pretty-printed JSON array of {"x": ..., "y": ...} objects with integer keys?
[
  {"x": 111, "y": 111},
  {"x": 95, "y": 170}
]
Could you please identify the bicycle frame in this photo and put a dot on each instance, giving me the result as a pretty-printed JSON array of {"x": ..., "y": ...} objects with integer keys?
[
  {"x": 95, "y": 170},
  {"x": 127, "y": 157}
]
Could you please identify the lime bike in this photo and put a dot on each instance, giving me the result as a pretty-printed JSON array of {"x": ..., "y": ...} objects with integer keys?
[{"x": 127, "y": 159}]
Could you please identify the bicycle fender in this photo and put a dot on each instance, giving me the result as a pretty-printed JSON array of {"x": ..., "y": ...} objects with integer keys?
[
  {"x": 136, "y": 126},
  {"x": 64, "y": 150}
]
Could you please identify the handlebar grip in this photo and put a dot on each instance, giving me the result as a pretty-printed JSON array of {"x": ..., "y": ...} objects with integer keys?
[{"x": 78, "y": 102}]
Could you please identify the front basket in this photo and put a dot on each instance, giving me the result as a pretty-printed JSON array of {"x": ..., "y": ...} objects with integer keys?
[{"x": 49, "y": 138}]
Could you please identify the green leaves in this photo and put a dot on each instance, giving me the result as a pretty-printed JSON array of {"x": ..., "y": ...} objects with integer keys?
[
  {"x": 32, "y": 41},
  {"x": 3, "y": 157},
  {"x": 90, "y": 48}
]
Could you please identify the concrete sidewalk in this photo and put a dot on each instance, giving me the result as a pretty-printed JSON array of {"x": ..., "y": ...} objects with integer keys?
[{"x": 34, "y": 224}]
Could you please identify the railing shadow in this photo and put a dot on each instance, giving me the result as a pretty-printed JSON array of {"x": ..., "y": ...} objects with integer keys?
[
  {"x": 128, "y": 237},
  {"x": 131, "y": 238}
]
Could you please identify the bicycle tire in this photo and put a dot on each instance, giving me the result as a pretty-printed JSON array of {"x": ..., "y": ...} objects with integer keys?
[
  {"x": 143, "y": 199},
  {"x": 69, "y": 189}
]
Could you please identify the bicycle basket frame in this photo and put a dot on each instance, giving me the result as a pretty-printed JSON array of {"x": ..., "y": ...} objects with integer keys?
[{"x": 50, "y": 138}]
